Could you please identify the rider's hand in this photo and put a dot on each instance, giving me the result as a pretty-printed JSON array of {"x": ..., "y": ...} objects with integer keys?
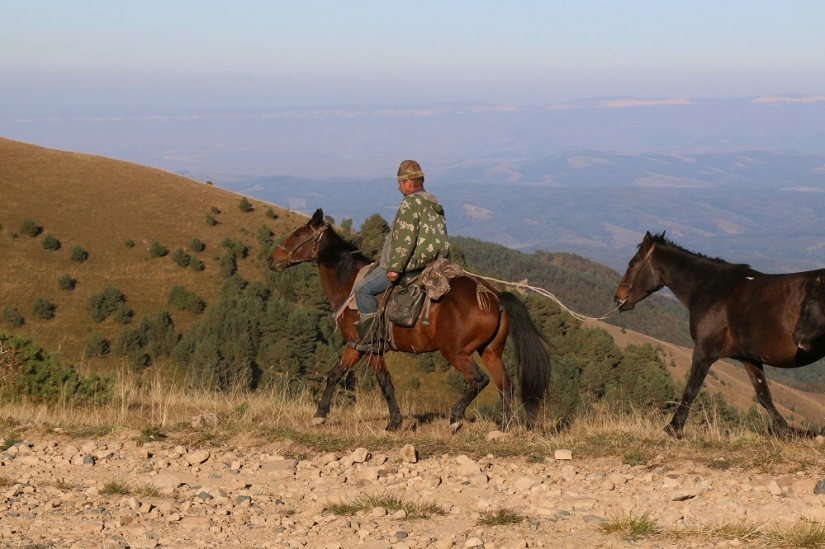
[{"x": 393, "y": 276}]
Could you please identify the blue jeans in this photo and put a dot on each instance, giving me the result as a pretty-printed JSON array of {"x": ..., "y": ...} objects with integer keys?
[{"x": 369, "y": 287}]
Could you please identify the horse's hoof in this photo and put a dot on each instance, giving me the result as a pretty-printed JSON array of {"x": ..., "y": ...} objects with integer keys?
[
  {"x": 316, "y": 421},
  {"x": 670, "y": 430},
  {"x": 455, "y": 426}
]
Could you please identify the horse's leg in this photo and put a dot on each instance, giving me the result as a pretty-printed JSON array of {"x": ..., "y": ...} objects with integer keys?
[
  {"x": 763, "y": 394},
  {"x": 492, "y": 359},
  {"x": 348, "y": 360},
  {"x": 379, "y": 368},
  {"x": 476, "y": 382},
  {"x": 698, "y": 372}
]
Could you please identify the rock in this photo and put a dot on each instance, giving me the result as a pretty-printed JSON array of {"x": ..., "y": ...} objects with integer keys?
[
  {"x": 563, "y": 454},
  {"x": 207, "y": 419},
  {"x": 498, "y": 435},
  {"x": 473, "y": 542},
  {"x": 280, "y": 467},
  {"x": 686, "y": 493},
  {"x": 197, "y": 457},
  {"x": 820, "y": 487},
  {"x": 774, "y": 488},
  {"x": 409, "y": 453},
  {"x": 360, "y": 455},
  {"x": 195, "y": 523},
  {"x": 378, "y": 512},
  {"x": 326, "y": 459}
]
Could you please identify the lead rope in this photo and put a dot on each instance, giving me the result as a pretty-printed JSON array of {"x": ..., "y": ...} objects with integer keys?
[{"x": 523, "y": 286}]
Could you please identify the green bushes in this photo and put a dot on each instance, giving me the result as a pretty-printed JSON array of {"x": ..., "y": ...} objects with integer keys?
[
  {"x": 78, "y": 254},
  {"x": 30, "y": 372},
  {"x": 156, "y": 249},
  {"x": 210, "y": 220},
  {"x": 129, "y": 243},
  {"x": 50, "y": 242},
  {"x": 66, "y": 283},
  {"x": 152, "y": 338},
  {"x": 30, "y": 227},
  {"x": 245, "y": 206},
  {"x": 13, "y": 316},
  {"x": 181, "y": 258},
  {"x": 110, "y": 302},
  {"x": 196, "y": 245},
  {"x": 196, "y": 264},
  {"x": 185, "y": 300},
  {"x": 97, "y": 346},
  {"x": 43, "y": 309}
]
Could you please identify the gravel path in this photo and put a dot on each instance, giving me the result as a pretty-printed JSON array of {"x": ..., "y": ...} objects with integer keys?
[{"x": 54, "y": 492}]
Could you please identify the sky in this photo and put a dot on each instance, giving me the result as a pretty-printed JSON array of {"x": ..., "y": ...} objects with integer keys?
[{"x": 64, "y": 56}]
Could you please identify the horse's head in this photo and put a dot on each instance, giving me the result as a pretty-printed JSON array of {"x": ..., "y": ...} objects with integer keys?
[
  {"x": 811, "y": 323},
  {"x": 640, "y": 280},
  {"x": 301, "y": 246}
]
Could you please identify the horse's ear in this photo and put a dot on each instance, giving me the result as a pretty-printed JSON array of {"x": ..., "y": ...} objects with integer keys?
[
  {"x": 646, "y": 240},
  {"x": 317, "y": 218},
  {"x": 663, "y": 234}
]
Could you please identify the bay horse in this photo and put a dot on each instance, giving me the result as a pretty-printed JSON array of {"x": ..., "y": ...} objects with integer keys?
[
  {"x": 810, "y": 328},
  {"x": 735, "y": 312},
  {"x": 458, "y": 328}
]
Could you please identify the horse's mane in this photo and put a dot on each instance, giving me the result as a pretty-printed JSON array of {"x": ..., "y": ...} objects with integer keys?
[
  {"x": 660, "y": 239},
  {"x": 335, "y": 251}
]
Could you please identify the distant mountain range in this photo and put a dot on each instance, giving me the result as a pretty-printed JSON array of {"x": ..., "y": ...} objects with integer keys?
[
  {"x": 759, "y": 207},
  {"x": 742, "y": 179}
]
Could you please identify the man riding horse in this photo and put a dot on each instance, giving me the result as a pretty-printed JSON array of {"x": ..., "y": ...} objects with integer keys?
[{"x": 418, "y": 236}]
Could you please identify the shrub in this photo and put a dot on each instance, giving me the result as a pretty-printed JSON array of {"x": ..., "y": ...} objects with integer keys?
[
  {"x": 42, "y": 308},
  {"x": 185, "y": 300},
  {"x": 238, "y": 248},
  {"x": 66, "y": 283},
  {"x": 270, "y": 213},
  {"x": 12, "y": 316},
  {"x": 39, "y": 376},
  {"x": 152, "y": 337},
  {"x": 79, "y": 254},
  {"x": 50, "y": 242},
  {"x": 156, "y": 249},
  {"x": 196, "y": 245},
  {"x": 210, "y": 220},
  {"x": 196, "y": 264},
  {"x": 30, "y": 227},
  {"x": 129, "y": 243},
  {"x": 227, "y": 264},
  {"x": 123, "y": 314},
  {"x": 110, "y": 301},
  {"x": 215, "y": 210},
  {"x": 97, "y": 346},
  {"x": 245, "y": 206},
  {"x": 180, "y": 257}
]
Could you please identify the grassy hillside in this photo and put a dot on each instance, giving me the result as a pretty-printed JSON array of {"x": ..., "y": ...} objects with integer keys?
[{"x": 99, "y": 203}]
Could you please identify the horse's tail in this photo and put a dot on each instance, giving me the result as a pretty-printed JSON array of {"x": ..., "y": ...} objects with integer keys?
[{"x": 532, "y": 359}]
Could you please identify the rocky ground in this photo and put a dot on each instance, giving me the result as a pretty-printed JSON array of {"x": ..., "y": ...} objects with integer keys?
[{"x": 58, "y": 492}]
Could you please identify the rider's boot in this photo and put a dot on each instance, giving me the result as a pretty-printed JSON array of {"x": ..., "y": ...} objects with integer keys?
[{"x": 368, "y": 328}]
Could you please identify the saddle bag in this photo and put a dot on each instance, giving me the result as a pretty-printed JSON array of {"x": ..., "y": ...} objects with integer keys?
[{"x": 405, "y": 305}]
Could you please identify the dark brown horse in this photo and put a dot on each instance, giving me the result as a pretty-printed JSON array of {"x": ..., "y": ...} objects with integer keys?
[
  {"x": 458, "y": 328},
  {"x": 735, "y": 312},
  {"x": 810, "y": 328}
]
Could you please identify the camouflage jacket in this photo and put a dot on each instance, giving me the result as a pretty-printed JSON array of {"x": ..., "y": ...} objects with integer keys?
[{"x": 418, "y": 235}]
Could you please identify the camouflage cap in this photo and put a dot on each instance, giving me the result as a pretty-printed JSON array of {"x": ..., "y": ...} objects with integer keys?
[{"x": 410, "y": 169}]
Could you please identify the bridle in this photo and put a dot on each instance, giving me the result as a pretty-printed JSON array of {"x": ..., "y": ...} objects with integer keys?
[
  {"x": 315, "y": 236},
  {"x": 629, "y": 285}
]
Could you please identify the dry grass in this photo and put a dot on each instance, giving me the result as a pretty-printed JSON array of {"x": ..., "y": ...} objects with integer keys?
[
  {"x": 388, "y": 501},
  {"x": 631, "y": 525},
  {"x": 149, "y": 407}
]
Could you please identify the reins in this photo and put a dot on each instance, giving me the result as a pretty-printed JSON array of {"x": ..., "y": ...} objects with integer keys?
[{"x": 522, "y": 286}]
